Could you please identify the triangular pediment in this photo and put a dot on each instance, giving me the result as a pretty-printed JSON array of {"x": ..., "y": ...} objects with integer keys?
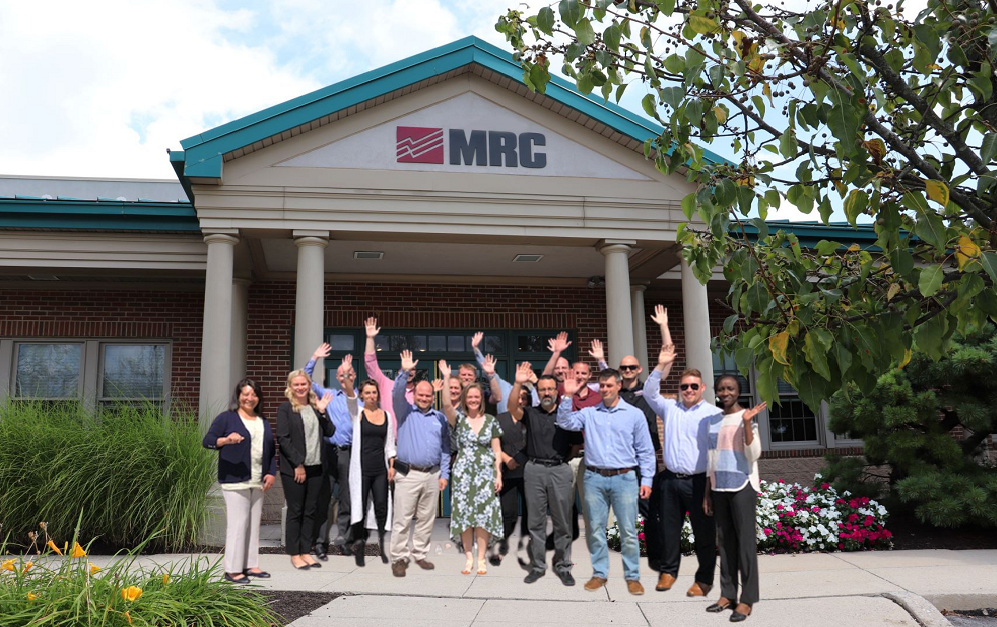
[{"x": 465, "y": 133}]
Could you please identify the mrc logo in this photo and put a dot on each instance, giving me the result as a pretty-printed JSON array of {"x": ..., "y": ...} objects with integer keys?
[{"x": 417, "y": 144}]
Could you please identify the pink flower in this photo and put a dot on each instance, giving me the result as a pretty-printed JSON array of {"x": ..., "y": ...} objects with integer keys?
[
  {"x": 640, "y": 535},
  {"x": 825, "y": 486}
]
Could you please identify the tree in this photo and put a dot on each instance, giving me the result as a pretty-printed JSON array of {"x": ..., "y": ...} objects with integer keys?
[
  {"x": 845, "y": 104},
  {"x": 906, "y": 422}
]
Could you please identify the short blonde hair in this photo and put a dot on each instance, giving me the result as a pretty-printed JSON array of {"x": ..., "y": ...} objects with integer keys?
[{"x": 289, "y": 393}]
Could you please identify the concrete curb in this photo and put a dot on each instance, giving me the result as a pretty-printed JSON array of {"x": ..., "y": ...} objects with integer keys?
[{"x": 926, "y": 614}]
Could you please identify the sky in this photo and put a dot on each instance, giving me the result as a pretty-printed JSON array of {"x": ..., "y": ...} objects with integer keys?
[{"x": 103, "y": 89}]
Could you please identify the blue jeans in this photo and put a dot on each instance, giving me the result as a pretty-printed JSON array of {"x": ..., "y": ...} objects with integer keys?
[{"x": 620, "y": 492}]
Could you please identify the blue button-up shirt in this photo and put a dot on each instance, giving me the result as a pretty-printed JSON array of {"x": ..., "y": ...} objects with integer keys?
[
  {"x": 423, "y": 436},
  {"x": 615, "y": 437},
  {"x": 686, "y": 428},
  {"x": 337, "y": 410}
]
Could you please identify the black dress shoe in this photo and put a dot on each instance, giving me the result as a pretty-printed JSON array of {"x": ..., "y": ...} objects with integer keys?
[
  {"x": 358, "y": 552},
  {"x": 534, "y": 575},
  {"x": 315, "y": 565},
  {"x": 737, "y": 617},
  {"x": 716, "y": 608},
  {"x": 503, "y": 547},
  {"x": 260, "y": 575},
  {"x": 319, "y": 552},
  {"x": 239, "y": 580},
  {"x": 565, "y": 577}
]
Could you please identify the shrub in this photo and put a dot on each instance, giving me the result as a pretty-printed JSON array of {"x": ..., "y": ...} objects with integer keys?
[
  {"x": 126, "y": 473},
  {"x": 53, "y": 591},
  {"x": 613, "y": 536}
]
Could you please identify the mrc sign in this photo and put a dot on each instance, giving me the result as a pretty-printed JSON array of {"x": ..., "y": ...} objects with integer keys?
[{"x": 420, "y": 144}]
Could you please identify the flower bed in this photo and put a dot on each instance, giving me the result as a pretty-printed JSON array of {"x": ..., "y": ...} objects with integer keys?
[{"x": 792, "y": 519}]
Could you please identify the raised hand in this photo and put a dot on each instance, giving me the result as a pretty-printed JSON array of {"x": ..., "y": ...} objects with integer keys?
[
  {"x": 523, "y": 372},
  {"x": 347, "y": 363},
  {"x": 596, "y": 351},
  {"x": 751, "y": 413},
  {"x": 559, "y": 344},
  {"x": 445, "y": 369},
  {"x": 660, "y": 316},
  {"x": 323, "y": 402},
  {"x": 371, "y": 328},
  {"x": 488, "y": 366},
  {"x": 438, "y": 385},
  {"x": 571, "y": 386},
  {"x": 476, "y": 340},
  {"x": 667, "y": 355},
  {"x": 322, "y": 351},
  {"x": 407, "y": 362}
]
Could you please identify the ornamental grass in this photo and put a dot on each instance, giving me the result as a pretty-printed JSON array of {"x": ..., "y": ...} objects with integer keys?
[
  {"x": 68, "y": 590},
  {"x": 126, "y": 473}
]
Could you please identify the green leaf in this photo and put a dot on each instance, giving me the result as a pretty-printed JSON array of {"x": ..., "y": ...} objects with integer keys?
[
  {"x": 545, "y": 20},
  {"x": 585, "y": 83},
  {"x": 989, "y": 148},
  {"x": 989, "y": 261},
  {"x": 844, "y": 117},
  {"x": 816, "y": 354},
  {"x": 675, "y": 64},
  {"x": 763, "y": 229},
  {"x": 843, "y": 356},
  {"x": 570, "y": 12},
  {"x": 825, "y": 248},
  {"x": 702, "y": 24},
  {"x": 768, "y": 379},
  {"x": 726, "y": 192},
  {"x": 667, "y": 7},
  {"x": 930, "y": 336},
  {"x": 672, "y": 96},
  {"x": 930, "y": 280},
  {"x": 855, "y": 203},
  {"x": 689, "y": 206},
  {"x": 929, "y": 226},
  {"x": 584, "y": 32},
  {"x": 649, "y": 104},
  {"x": 787, "y": 144}
]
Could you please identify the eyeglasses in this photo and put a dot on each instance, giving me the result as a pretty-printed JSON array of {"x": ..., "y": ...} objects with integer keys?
[
  {"x": 629, "y": 367},
  {"x": 689, "y": 386}
]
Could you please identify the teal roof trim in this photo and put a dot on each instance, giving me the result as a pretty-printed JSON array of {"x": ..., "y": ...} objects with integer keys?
[
  {"x": 201, "y": 157},
  {"x": 101, "y": 215},
  {"x": 810, "y": 233}
]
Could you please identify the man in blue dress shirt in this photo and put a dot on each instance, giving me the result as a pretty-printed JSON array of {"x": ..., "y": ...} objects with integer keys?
[
  {"x": 337, "y": 455},
  {"x": 684, "y": 482},
  {"x": 617, "y": 442},
  {"x": 420, "y": 470}
]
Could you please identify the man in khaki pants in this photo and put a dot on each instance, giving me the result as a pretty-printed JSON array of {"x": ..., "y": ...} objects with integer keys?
[{"x": 420, "y": 470}]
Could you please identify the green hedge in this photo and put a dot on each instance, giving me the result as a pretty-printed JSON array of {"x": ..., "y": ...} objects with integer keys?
[{"x": 126, "y": 475}]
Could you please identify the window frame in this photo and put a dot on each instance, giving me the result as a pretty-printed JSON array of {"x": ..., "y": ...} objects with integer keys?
[{"x": 163, "y": 400}]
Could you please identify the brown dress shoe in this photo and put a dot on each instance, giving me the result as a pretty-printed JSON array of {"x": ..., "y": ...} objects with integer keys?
[
  {"x": 699, "y": 590},
  {"x": 425, "y": 564},
  {"x": 595, "y": 583},
  {"x": 665, "y": 582},
  {"x": 634, "y": 587},
  {"x": 398, "y": 568}
]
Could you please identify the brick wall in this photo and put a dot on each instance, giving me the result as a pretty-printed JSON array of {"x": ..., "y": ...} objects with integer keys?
[{"x": 114, "y": 314}]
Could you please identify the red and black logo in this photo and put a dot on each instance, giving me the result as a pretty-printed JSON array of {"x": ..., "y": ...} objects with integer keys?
[{"x": 419, "y": 145}]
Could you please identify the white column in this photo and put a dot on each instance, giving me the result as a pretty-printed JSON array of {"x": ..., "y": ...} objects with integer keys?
[
  {"x": 217, "y": 334},
  {"x": 309, "y": 303},
  {"x": 240, "y": 322},
  {"x": 619, "y": 322},
  {"x": 696, "y": 319},
  {"x": 639, "y": 324}
]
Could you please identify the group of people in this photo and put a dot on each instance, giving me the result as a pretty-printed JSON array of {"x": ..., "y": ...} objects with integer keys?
[{"x": 389, "y": 451}]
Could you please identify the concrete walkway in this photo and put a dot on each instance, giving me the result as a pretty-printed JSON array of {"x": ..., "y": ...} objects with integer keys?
[{"x": 816, "y": 590}]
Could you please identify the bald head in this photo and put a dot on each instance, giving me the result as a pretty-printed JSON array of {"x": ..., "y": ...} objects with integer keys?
[
  {"x": 424, "y": 395},
  {"x": 630, "y": 370}
]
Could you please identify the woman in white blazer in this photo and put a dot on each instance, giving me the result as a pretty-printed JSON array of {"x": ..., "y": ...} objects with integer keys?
[{"x": 370, "y": 467}]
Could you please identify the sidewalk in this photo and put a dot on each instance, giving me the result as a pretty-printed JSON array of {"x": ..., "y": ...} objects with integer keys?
[{"x": 816, "y": 590}]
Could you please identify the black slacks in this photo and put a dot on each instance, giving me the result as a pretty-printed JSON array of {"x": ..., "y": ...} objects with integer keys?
[
  {"x": 510, "y": 497},
  {"x": 302, "y": 507},
  {"x": 337, "y": 473},
  {"x": 650, "y": 510},
  {"x": 735, "y": 516},
  {"x": 678, "y": 496},
  {"x": 375, "y": 486}
]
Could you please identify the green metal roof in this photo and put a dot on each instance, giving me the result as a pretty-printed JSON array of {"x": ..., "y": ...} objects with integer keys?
[
  {"x": 202, "y": 153},
  {"x": 97, "y": 215},
  {"x": 812, "y": 232}
]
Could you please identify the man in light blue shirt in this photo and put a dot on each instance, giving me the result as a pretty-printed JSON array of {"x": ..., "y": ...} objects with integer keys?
[
  {"x": 420, "y": 470},
  {"x": 617, "y": 442},
  {"x": 683, "y": 485},
  {"x": 337, "y": 455}
]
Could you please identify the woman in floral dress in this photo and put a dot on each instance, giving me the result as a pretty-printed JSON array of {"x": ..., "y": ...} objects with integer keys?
[{"x": 476, "y": 478}]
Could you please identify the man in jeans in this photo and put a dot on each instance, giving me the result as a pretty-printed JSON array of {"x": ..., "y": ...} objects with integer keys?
[{"x": 617, "y": 442}]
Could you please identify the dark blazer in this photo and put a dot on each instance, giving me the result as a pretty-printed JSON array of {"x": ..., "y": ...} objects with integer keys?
[
  {"x": 291, "y": 437},
  {"x": 234, "y": 459}
]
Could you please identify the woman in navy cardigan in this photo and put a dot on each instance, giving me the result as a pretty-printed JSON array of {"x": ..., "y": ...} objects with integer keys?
[{"x": 247, "y": 466}]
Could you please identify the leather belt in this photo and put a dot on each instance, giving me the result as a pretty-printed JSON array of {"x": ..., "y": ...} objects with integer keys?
[
  {"x": 429, "y": 469},
  {"x": 342, "y": 448},
  {"x": 548, "y": 462},
  {"x": 681, "y": 475},
  {"x": 609, "y": 472}
]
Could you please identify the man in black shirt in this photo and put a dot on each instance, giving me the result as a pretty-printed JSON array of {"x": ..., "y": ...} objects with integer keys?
[{"x": 547, "y": 476}]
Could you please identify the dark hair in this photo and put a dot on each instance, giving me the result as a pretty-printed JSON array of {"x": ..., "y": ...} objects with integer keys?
[
  {"x": 234, "y": 404},
  {"x": 736, "y": 381},
  {"x": 610, "y": 373},
  {"x": 546, "y": 376},
  {"x": 367, "y": 382}
]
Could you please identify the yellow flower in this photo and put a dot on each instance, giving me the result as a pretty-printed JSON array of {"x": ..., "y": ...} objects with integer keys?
[
  {"x": 94, "y": 569},
  {"x": 78, "y": 550},
  {"x": 54, "y": 548},
  {"x": 32, "y": 596},
  {"x": 27, "y": 566},
  {"x": 131, "y": 593},
  {"x": 166, "y": 579},
  {"x": 8, "y": 565}
]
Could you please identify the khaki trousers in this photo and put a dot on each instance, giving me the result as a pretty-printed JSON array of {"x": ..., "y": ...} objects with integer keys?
[
  {"x": 243, "y": 509},
  {"x": 417, "y": 496}
]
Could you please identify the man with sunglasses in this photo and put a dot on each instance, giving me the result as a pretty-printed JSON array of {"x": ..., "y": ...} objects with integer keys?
[{"x": 683, "y": 482}]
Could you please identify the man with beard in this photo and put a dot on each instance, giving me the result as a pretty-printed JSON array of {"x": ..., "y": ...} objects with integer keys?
[{"x": 547, "y": 477}]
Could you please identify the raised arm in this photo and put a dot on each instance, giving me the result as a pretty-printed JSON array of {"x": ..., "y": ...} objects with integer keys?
[
  {"x": 500, "y": 391},
  {"x": 660, "y": 317},
  {"x": 402, "y": 407},
  {"x": 556, "y": 346},
  {"x": 566, "y": 418},
  {"x": 523, "y": 372},
  {"x": 488, "y": 367},
  {"x": 752, "y": 444},
  {"x": 370, "y": 354},
  {"x": 652, "y": 387},
  {"x": 448, "y": 409},
  {"x": 597, "y": 353},
  {"x": 320, "y": 353}
]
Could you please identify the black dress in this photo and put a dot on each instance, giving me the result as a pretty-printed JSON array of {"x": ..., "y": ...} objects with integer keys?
[{"x": 374, "y": 474}]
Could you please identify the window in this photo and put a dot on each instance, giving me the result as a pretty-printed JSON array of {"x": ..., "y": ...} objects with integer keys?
[
  {"x": 94, "y": 371},
  {"x": 791, "y": 421}
]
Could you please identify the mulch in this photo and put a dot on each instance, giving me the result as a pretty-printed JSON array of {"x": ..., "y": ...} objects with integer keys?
[
  {"x": 294, "y": 604},
  {"x": 910, "y": 534}
]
